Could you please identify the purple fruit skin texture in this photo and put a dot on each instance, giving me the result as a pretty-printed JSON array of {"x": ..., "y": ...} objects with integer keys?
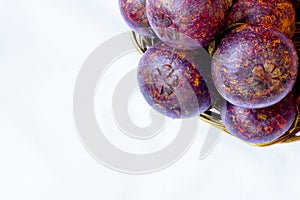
[
  {"x": 254, "y": 66},
  {"x": 278, "y": 14},
  {"x": 134, "y": 14},
  {"x": 170, "y": 82},
  {"x": 187, "y": 24},
  {"x": 260, "y": 126}
]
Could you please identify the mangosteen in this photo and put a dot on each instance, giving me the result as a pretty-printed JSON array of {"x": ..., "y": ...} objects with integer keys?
[
  {"x": 278, "y": 14},
  {"x": 171, "y": 82},
  {"x": 134, "y": 14},
  {"x": 187, "y": 24},
  {"x": 260, "y": 126},
  {"x": 255, "y": 66}
]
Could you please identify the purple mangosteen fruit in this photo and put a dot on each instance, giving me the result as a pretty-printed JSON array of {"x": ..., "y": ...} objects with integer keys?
[
  {"x": 134, "y": 14},
  {"x": 278, "y": 14},
  {"x": 260, "y": 126},
  {"x": 171, "y": 83},
  {"x": 187, "y": 24},
  {"x": 254, "y": 66}
]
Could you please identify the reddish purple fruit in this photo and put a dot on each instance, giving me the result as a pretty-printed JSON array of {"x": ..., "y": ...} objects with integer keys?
[
  {"x": 170, "y": 81},
  {"x": 187, "y": 24},
  {"x": 278, "y": 14},
  {"x": 134, "y": 14},
  {"x": 260, "y": 126},
  {"x": 255, "y": 66}
]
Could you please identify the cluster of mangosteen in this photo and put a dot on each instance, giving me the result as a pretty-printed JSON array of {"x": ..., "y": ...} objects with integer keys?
[{"x": 236, "y": 56}]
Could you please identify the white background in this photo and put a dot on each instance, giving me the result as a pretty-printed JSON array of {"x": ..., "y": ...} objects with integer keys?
[{"x": 42, "y": 47}]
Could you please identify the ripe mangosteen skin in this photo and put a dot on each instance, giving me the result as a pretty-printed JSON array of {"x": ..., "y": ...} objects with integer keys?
[
  {"x": 278, "y": 14},
  {"x": 260, "y": 126},
  {"x": 170, "y": 82},
  {"x": 187, "y": 24},
  {"x": 254, "y": 66},
  {"x": 134, "y": 14}
]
